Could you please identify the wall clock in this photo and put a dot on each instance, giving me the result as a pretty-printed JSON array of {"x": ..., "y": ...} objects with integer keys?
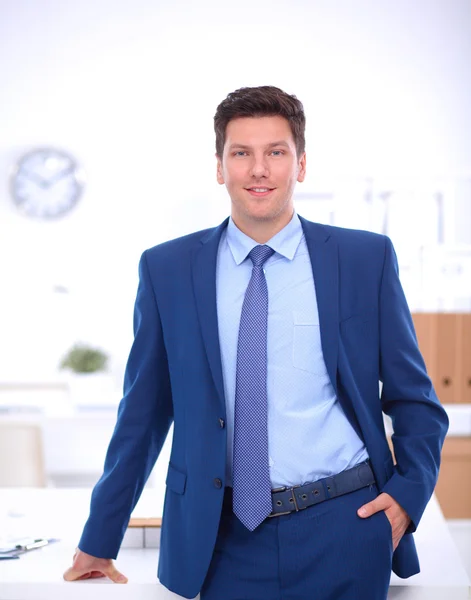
[{"x": 46, "y": 183}]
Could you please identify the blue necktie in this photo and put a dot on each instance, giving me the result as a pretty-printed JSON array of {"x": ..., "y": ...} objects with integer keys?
[{"x": 251, "y": 476}]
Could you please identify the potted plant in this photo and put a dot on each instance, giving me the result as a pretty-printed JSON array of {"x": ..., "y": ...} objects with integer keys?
[
  {"x": 85, "y": 359},
  {"x": 89, "y": 381}
]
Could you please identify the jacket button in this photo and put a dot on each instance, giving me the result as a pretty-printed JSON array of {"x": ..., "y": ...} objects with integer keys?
[
  {"x": 221, "y": 423},
  {"x": 218, "y": 484}
]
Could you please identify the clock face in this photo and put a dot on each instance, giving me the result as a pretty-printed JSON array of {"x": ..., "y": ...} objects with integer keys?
[{"x": 46, "y": 183}]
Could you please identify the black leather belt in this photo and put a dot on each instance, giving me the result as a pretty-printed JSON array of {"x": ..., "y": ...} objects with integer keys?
[{"x": 286, "y": 500}]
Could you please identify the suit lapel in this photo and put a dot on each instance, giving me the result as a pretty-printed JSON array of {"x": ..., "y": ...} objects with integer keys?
[
  {"x": 204, "y": 284},
  {"x": 323, "y": 251}
]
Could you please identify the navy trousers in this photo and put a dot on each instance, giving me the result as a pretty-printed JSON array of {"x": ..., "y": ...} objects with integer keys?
[{"x": 324, "y": 552}]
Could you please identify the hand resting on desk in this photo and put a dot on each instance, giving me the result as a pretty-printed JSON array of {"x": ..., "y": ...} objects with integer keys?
[{"x": 85, "y": 566}]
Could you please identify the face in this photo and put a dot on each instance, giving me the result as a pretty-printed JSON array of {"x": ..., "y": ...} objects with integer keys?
[{"x": 260, "y": 169}]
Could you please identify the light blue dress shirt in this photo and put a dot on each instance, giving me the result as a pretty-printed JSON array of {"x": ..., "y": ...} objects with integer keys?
[{"x": 309, "y": 436}]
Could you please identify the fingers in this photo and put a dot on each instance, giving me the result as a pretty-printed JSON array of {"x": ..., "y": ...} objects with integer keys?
[
  {"x": 86, "y": 566},
  {"x": 380, "y": 503},
  {"x": 91, "y": 575},
  {"x": 72, "y": 575},
  {"x": 113, "y": 573},
  {"x": 397, "y": 517}
]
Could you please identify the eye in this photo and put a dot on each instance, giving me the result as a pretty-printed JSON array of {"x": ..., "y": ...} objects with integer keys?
[
  {"x": 240, "y": 153},
  {"x": 277, "y": 152}
]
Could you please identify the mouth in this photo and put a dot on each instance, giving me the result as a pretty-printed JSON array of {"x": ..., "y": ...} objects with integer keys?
[{"x": 259, "y": 192}]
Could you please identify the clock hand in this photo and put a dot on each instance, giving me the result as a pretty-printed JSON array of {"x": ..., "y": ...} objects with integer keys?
[
  {"x": 36, "y": 178},
  {"x": 58, "y": 176}
]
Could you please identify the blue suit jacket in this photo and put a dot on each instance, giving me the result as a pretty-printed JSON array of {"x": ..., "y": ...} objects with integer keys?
[{"x": 174, "y": 374}]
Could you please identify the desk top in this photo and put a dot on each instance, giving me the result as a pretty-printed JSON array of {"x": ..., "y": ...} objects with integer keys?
[{"x": 37, "y": 575}]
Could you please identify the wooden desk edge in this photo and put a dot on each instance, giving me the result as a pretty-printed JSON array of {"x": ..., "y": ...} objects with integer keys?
[{"x": 145, "y": 522}]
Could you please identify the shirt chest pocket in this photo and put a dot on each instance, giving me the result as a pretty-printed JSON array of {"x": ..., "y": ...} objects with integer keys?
[{"x": 307, "y": 350}]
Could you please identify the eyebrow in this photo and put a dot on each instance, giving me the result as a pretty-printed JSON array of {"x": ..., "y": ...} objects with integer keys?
[{"x": 271, "y": 145}]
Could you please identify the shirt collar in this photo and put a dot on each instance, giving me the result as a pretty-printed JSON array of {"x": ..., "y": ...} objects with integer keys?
[{"x": 285, "y": 242}]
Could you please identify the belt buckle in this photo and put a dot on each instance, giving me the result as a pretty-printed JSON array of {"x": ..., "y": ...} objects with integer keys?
[
  {"x": 280, "y": 489},
  {"x": 293, "y": 495},
  {"x": 284, "y": 489}
]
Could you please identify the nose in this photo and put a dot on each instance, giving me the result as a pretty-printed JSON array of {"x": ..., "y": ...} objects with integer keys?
[{"x": 259, "y": 167}]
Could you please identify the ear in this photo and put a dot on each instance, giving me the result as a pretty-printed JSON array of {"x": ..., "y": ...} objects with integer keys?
[
  {"x": 302, "y": 168},
  {"x": 219, "y": 174}
]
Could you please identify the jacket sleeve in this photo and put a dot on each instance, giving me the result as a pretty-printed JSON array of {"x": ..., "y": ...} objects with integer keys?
[
  {"x": 419, "y": 421},
  {"x": 144, "y": 417}
]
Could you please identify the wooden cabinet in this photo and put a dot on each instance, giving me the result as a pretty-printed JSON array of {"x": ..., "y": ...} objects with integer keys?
[
  {"x": 466, "y": 358},
  {"x": 454, "y": 482},
  {"x": 453, "y": 488},
  {"x": 445, "y": 343}
]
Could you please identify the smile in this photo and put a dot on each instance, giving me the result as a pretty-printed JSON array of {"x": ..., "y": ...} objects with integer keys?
[{"x": 259, "y": 191}]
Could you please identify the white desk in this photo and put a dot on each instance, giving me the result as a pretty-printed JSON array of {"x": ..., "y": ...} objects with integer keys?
[
  {"x": 61, "y": 513},
  {"x": 78, "y": 464}
]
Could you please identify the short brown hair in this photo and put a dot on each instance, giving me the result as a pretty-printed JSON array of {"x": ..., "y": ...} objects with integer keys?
[{"x": 263, "y": 101}]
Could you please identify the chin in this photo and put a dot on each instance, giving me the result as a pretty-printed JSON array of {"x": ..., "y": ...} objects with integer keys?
[
  {"x": 265, "y": 217},
  {"x": 260, "y": 215},
  {"x": 268, "y": 213}
]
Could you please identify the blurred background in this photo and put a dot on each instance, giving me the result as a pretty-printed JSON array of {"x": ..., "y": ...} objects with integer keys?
[{"x": 106, "y": 118}]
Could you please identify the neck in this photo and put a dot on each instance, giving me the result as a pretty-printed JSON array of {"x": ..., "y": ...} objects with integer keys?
[{"x": 262, "y": 230}]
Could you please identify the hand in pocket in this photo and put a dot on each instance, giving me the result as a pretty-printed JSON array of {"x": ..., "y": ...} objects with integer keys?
[{"x": 396, "y": 515}]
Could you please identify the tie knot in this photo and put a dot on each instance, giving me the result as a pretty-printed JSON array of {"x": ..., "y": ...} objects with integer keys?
[{"x": 260, "y": 254}]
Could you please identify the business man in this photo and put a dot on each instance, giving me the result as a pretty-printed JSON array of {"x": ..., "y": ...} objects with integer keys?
[{"x": 264, "y": 340}]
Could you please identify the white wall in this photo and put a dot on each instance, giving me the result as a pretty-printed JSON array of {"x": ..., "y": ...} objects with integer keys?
[{"x": 131, "y": 87}]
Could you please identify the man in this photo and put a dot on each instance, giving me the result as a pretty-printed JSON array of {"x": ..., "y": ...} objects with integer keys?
[{"x": 264, "y": 341}]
